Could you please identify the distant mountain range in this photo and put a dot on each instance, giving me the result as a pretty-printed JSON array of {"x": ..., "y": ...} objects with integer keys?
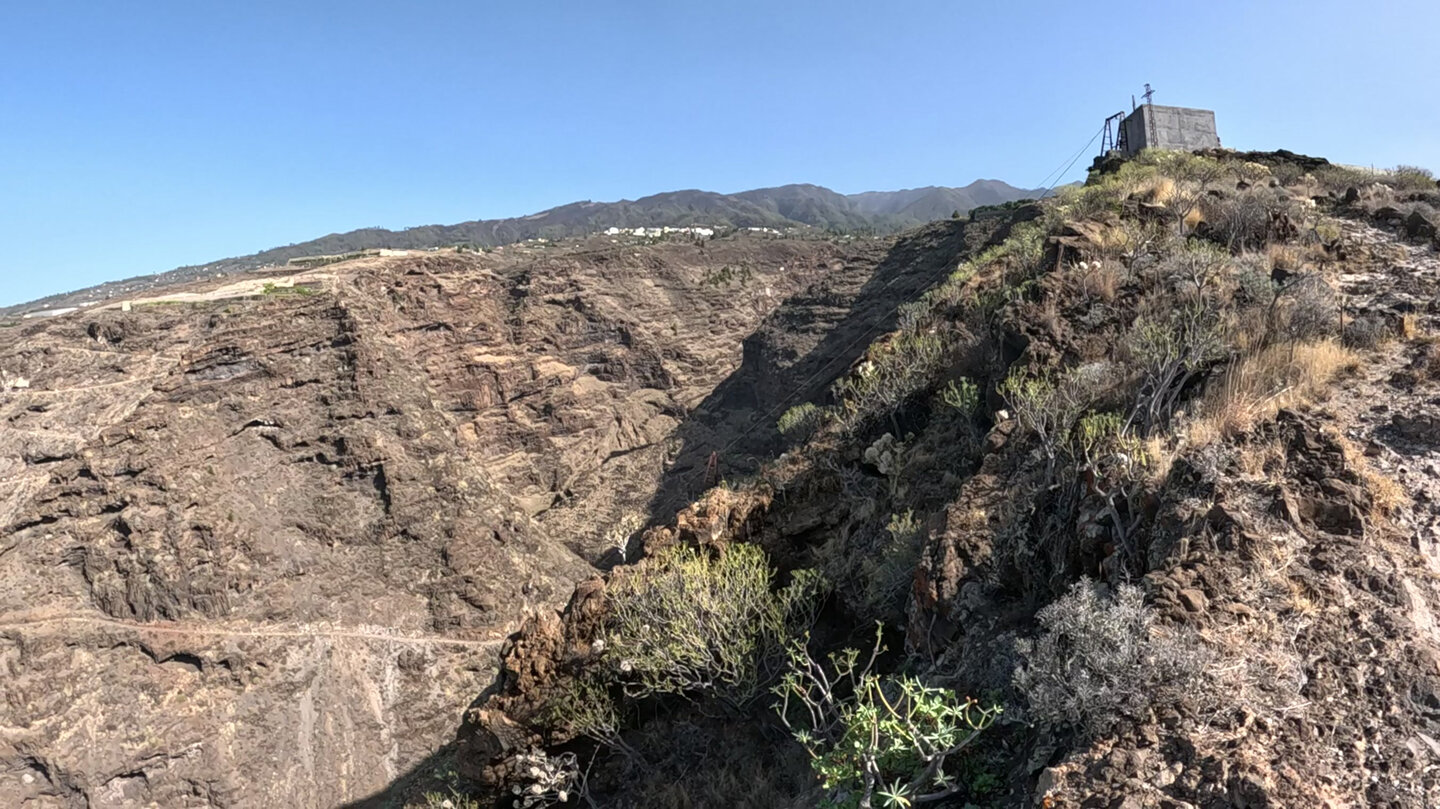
[{"x": 780, "y": 207}]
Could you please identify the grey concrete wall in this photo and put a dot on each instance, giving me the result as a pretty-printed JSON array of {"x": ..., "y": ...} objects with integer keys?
[{"x": 1174, "y": 128}]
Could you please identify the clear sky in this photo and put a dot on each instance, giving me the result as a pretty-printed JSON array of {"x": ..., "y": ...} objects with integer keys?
[{"x": 139, "y": 136}]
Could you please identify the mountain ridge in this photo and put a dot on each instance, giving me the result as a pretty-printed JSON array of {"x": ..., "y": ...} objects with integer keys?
[{"x": 782, "y": 206}]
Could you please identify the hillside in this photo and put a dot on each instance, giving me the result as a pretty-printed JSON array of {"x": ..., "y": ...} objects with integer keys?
[
  {"x": 1141, "y": 496},
  {"x": 1127, "y": 498},
  {"x": 790, "y": 206}
]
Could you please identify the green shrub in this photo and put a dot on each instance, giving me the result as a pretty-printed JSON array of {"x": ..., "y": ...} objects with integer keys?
[
  {"x": 961, "y": 394},
  {"x": 886, "y": 574},
  {"x": 1045, "y": 408},
  {"x": 872, "y": 737},
  {"x": 1170, "y": 350},
  {"x": 893, "y": 372},
  {"x": 1099, "y": 661},
  {"x": 1338, "y": 178},
  {"x": 298, "y": 290},
  {"x": 1411, "y": 178},
  {"x": 801, "y": 421},
  {"x": 690, "y": 621}
]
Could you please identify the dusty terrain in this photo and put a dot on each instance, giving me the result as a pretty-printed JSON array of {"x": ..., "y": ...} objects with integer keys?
[{"x": 261, "y": 546}]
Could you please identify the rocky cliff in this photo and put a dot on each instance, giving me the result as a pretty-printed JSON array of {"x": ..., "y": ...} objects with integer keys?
[
  {"x": 260, "y": 543},
  {"x": 1153, "y": 478}
]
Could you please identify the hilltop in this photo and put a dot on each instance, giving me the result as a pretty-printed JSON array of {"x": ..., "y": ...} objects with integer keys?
[{"x": 788, "y": 206}]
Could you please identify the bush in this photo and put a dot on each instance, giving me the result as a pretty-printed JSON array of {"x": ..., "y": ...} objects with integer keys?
[
  {"x": 962, "y": 395},
  {"x": 1099, "y": 661},
  {"x": 1195, "y": 266},
  {"x": 1170, "y": 352},
  {"x": 545, "y": 781},
  {"x": 689, "y": 621},
  {"x": 801, "y": 421},
  {"x": 1411, "y": 178},
  {"x": 1366, "y": 333},
  {"x": 886, "y": 574},
  {"x": 1247, "y": 219},
  {"x": 1306, "y": 308},
  {"x": 1045, "y": 408},
  {"x": 1338, "y": 178},
  {"x": 893, "y": 372},
  {"x": 875, "y": 737}
]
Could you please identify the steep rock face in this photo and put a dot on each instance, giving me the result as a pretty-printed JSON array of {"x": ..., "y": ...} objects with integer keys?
[
  {"x": 1292, "y": 556},
  {"x": 266, "y": 547}
]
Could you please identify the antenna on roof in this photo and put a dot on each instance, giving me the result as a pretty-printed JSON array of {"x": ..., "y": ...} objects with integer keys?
[{"x": 1150, "y": 117}]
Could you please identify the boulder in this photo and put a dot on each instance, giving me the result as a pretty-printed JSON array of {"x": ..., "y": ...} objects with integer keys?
[{"x": 1420, "y": 226}]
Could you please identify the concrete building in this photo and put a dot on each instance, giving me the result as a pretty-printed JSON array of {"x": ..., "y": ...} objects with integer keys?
[{"x": 1152, "y": 126}]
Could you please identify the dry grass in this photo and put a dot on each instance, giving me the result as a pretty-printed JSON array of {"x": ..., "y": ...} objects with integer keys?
[
  {"x": 1193, "y": 218},
  {"x": 1258, "y": 386},
  {"x": 1157, "y": 190},
  {"x": 1159, "y": 457},
  {"x": 1284, "y": 257},
  {"x": 1386, "y": 493},
  {"x": 1264, "y": 459}
]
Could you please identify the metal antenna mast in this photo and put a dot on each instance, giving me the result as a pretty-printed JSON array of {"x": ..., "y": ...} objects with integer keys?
[{"x": 1153, "y": 135}]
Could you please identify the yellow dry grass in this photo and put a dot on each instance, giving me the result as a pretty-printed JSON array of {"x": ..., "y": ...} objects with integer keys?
[
  {"x": 1193, "y": 218},
  {"x": 1258, "y": 386},
  {"x": 1158, "y": 459},
  {"x": 1157, "y": 190},
  {"x": 1284, "y": 256},
  {"x": 1385, "y": 491},
  {"x": 1262, "y": 459}
]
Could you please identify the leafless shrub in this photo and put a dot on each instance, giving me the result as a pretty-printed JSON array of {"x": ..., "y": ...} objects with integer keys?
[
  {"x": 1306, "y": 308},
  {"x": 1246, "y": 219},
  {"x": 1253, "y": 285},
  {"x": 1099, "y": 661},
  {"x": 1366, "y": 333},
  {"x": 1195, "y": 267}
]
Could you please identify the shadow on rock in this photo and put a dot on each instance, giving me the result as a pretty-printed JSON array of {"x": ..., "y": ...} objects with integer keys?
[{"x": 811, "y": 339}]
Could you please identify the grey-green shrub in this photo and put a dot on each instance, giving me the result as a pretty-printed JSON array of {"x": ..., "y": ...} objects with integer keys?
[{"x": 1099, "y": 660}]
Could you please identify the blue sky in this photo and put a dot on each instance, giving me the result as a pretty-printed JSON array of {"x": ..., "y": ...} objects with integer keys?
[{"x": 136, "y": 137}]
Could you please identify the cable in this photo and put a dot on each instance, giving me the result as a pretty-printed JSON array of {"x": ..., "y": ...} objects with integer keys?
[{"x": 1063, "y": 171}]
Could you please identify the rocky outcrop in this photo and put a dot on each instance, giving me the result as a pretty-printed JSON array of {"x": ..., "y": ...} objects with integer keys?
[{"x": 1291, "y": 556}]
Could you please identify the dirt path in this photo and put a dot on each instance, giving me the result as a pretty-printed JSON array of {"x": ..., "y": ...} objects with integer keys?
[{"x": 184, "y": 628}]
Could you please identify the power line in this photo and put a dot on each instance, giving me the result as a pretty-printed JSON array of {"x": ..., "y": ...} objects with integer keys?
[{"x": 1058, "y": 177}]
